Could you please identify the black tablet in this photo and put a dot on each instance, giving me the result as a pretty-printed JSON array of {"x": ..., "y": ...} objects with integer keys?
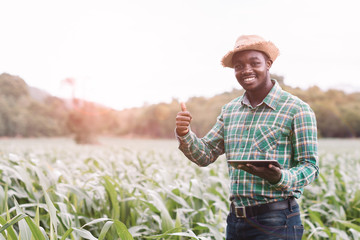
[{"x": 257, "y": 163}]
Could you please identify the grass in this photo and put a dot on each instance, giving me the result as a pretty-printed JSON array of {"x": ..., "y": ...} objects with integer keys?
[{"x": 146, "y": 189}]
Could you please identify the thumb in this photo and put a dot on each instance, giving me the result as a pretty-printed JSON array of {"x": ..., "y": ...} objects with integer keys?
[{"x": 183, "y": 107}]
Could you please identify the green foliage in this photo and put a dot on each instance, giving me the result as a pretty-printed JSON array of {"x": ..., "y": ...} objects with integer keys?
[
  {"x": 332, "y": 205},
  {"x": 55, "y": 189}
]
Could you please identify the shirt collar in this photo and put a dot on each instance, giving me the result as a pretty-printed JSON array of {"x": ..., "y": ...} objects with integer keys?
[{"x": 270, "y": 100}]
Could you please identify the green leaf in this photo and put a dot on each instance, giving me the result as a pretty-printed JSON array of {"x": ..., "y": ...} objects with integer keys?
[
  {"x": 67, "y": 233},
  {"x": 350, "y": 225},
  {"x": 95, "y": 221},
  {"x": 122, "y": 231},
  {"x": 115, "y": 213},
  {"x": 37, "y": 216},
  {"x": 52, "y": 210},
  {"x": 25, "y": 232},
  {"x": 314, "y": 216},
  {"x": 165, "y": 234},
  {"x": 105, "y": 229},
  {"x": 36, "y": 232},
  {"x": 6, "y": 225},
  {"x": 178, "y": 220},
  {"x": 215, "y": 232},
  {"x": 84, "y": 234},
  {"x": 166, "y": 221},
  {"x": 190, "y": 234}
]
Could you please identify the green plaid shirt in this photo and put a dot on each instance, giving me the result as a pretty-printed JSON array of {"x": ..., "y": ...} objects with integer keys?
[{"x": 281, "y": 128}]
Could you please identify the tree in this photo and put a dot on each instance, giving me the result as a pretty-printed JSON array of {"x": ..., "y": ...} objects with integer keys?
[
  {"x": 12, "y": 87},
  {"x": 330, "y": 121},
  {"x": 83, "y": 123}
]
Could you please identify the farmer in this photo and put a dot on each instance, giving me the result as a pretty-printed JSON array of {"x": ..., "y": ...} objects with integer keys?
[{"x": 265, "y": 123}]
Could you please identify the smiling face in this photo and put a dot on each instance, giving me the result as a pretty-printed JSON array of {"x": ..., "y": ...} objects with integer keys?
[{"x": 252, "y": 71}]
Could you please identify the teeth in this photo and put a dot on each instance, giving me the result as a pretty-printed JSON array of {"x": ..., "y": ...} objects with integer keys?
[{"x": 247, "y": 80}]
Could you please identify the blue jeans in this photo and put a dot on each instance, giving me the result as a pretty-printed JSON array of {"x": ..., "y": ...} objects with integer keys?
[{"x": 279, "y": 224}]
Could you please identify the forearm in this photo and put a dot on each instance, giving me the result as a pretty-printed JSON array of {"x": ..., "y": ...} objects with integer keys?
[
  {"x": 299, "y": 176},
  {"x": 201, "y": 151}
]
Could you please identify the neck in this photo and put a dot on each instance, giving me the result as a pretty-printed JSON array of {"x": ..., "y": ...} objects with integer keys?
[{"x": 257, "y": 96}]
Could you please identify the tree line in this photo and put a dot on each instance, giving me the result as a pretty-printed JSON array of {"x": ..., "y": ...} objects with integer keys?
[{"x": 24, "y": 113}]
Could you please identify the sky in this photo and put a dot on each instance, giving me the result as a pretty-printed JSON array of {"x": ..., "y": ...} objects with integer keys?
[{"x": 128, "y": 53}]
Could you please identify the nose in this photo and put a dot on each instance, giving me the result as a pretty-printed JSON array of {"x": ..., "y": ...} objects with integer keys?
[{"x": 247, "y": 69}]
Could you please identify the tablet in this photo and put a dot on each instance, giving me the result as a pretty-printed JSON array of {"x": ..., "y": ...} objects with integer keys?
[{"x": 257, "y": 163}]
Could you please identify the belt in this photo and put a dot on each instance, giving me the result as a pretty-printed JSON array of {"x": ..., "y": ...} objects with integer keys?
[{"x": 251, "y": 211}]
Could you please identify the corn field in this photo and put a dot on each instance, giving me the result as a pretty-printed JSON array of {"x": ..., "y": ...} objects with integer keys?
[{"x": 146, "y": 189}]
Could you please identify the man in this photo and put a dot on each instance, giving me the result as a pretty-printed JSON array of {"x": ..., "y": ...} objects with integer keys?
[{"x": 266, "y": 123}]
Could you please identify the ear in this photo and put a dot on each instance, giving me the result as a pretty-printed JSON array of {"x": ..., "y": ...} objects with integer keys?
[{"x": 269, "y": 63}]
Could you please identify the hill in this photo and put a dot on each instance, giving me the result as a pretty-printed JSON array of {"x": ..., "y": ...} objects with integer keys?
[
  {"x": 22, "y": 115},
  {"x": 29, "y": 112}
]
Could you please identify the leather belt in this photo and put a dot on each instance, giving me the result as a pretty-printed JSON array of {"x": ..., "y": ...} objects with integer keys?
[{"x": 251, "y": 211}]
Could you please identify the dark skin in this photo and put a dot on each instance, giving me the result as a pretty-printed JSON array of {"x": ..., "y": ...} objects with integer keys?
[
  {"x": 252, "y": 72},
  {"x": 183, "y": 120}
]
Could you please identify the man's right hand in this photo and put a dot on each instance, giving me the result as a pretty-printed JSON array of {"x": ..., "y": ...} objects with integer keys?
[{"x": 183, "y": 120}]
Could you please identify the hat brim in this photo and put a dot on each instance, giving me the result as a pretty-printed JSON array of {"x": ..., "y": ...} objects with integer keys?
[{"x": 266, "y": 47}]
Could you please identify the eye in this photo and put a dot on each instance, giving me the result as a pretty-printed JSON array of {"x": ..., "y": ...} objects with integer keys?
[
  {"x": 238, "y": 67},
  {"x": 254, "y": 64}
]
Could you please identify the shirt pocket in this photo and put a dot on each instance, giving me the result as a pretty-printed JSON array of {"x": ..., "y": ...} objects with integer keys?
[{"x": 266, "y": 137}]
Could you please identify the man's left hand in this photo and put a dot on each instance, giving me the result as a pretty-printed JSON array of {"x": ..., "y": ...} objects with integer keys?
[{"x": 270, "y": 173}]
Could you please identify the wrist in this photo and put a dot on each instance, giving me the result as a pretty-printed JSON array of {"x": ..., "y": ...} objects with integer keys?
[
  {"x": 182, "y": 133},
  {"x": 276, "y": 179}
]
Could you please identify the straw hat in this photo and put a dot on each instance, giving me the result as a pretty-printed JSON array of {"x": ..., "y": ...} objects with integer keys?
[{"x": 251, "y": 42}]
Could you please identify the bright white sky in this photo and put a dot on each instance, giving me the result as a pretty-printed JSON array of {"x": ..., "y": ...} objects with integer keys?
[{"x": 127, "y": 52}]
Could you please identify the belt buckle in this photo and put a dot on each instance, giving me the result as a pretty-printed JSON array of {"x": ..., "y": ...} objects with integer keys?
[{"x": 240, "y": 212}]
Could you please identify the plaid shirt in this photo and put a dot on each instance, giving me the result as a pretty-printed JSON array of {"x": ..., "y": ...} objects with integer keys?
[{"x": 281, "y": 128}]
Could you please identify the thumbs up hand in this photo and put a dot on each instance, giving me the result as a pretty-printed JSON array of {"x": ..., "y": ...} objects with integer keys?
[
  {"x": 183, "y": 106},
  {"x": 183, "y": 120}
]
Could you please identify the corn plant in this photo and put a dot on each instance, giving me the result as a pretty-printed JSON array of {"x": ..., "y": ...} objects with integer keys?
[{"x": 146, "y": 189}]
